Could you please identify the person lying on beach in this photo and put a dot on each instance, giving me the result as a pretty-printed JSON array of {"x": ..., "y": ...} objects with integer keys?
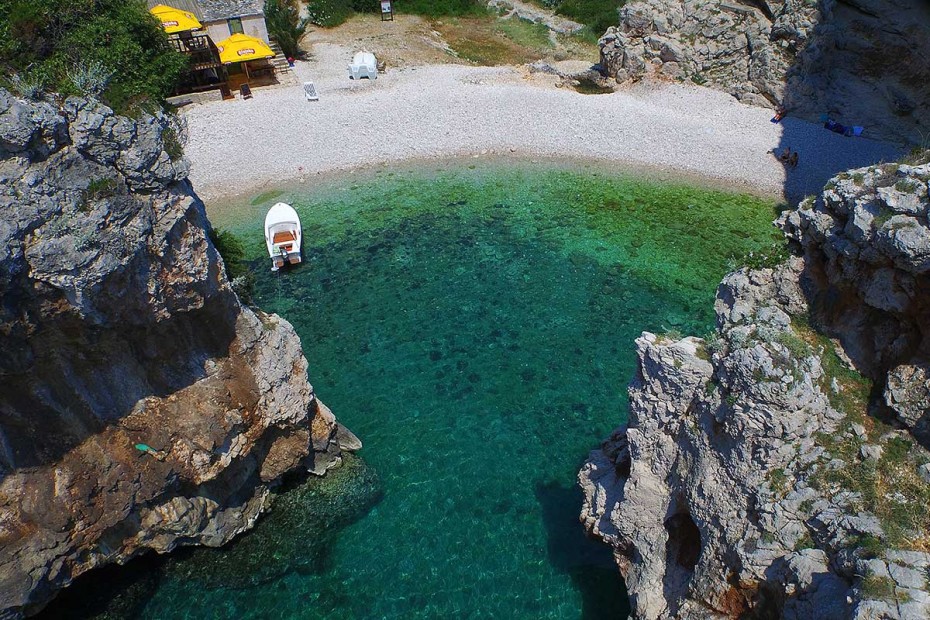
[
  {"x": 785, "y": 155},
  {"x": 793, "y": 160}
]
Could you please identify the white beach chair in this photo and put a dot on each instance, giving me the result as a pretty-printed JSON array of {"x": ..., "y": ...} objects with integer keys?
[{"x": 310, "y": 92}]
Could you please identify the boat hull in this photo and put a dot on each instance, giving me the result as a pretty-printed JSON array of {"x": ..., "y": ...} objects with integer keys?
[{"x": 283, "y": 236}]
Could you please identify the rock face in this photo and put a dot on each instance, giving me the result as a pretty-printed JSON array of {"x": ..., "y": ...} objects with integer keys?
[
  {"x": 856, "y": 60},
  {"x": 118, "y": 327},
  {"x": 867, "y": 242},
  {"x": 753, "y": 478}
]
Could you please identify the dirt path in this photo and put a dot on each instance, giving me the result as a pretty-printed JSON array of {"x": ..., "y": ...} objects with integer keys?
[{"x": 555, "y": 23}]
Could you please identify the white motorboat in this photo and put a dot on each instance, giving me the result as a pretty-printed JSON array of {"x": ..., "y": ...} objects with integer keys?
[{"x": 282, "y": 235}]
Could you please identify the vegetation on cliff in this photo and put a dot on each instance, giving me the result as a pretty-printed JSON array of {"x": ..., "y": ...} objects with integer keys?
[{"x": 111, "y": 49}]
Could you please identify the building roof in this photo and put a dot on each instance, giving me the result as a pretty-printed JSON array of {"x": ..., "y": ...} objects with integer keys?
[
  {"x": 213, "y": 10},
  {"x": 224, "y": 9},
  {"x": 190, "y": 6}
]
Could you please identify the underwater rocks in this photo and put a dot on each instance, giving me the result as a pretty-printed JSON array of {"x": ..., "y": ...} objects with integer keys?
[
  {"x": 142, "y": 406},
  {"x": 773, "y": 470}
]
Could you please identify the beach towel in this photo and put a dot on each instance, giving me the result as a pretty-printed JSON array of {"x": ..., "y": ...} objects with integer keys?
[
  {"x": 835, "y": 127},
  {"x": 848, "y": 131}
]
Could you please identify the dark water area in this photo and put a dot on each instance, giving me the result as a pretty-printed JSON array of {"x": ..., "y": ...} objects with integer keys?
[{"x": 474, "y": 326}]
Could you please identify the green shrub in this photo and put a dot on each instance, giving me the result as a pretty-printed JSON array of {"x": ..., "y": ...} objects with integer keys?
[
  {"x": 805, "y": 542},
  {"x": 879, "y": 588},
  {"x": 905, "y": 185},
  {"x": 441, "y": 8},
  {"x": 599, "y": 15},
  {"x": 286, "y": 26},
  {"x": 172, "y": 143},
  {"x": 238, "y": 271},
  {"x": 98, "y": 189},
  {"x": 113, "y": 49}
]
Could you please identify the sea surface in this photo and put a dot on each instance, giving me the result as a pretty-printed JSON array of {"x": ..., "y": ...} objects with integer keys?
[{"x": 473, "y": 324}]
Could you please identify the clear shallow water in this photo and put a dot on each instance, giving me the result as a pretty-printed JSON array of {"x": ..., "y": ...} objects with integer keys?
[{"x": 474, "y": 326}]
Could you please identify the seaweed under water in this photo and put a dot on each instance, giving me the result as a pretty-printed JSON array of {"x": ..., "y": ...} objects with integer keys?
[{"x": 474, "y": 325}]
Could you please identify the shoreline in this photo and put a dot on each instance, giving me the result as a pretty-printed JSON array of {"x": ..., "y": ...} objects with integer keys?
[
  {"x": 616, "y": 168},
  {"x": 457, "y": 112}
]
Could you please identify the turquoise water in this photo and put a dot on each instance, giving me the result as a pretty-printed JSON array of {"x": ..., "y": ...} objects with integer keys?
[{"x": 474, "y": 326}]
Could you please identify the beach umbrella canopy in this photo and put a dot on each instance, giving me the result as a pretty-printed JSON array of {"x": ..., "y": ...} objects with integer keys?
[
  {"x": 242, "y": 48},
  {"x": 175, "y": 20}
]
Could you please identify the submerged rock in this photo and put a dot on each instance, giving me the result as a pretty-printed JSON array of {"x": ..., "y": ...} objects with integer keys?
[
  {"x": 142, "y": 406},
  {"x": 296, "y": 534}
]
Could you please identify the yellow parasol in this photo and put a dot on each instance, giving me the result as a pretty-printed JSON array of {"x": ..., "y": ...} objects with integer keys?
[
  {"x": 175, "y": 20},
  {"x": 242, "y": 48}
]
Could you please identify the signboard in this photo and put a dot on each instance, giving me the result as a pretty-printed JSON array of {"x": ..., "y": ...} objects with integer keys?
[{"x": 387, "y": 10}]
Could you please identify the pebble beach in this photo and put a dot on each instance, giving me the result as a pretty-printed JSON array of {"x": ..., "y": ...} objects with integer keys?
[{"x": 442, "y": 111}]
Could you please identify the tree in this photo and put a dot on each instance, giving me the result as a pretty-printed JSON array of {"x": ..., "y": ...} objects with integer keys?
[
  {"x": 286, "y": 25},
  {"x": 112, "y": 49}
]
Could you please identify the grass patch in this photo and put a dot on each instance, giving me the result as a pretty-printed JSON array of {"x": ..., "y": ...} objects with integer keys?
[
  {"x": 98, "y": 189},
  {"x": 905, "y": 185},
  {"x": 238, "y": 271},
  {"x": 524, "y": 32},
  {"x": 890, "y": 488},
  {"x": 918, "y": 156},
  {"x": 804, "y": 542},
  {"x": 852, "y": 398},
  {"x": 884, "y": 214},
  {"x": 489, "y": 41},
  {"x": 779, "y": 480},
  {"x": 172, "y": 143},
  {"x": 599, "y": 15},
  {"x": 879, "y": 588}
]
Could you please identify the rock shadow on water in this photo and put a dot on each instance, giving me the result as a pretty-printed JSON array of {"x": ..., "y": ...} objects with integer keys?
[
  {"x": 297, "y": 535},
  {"x": 589, "y": 563}
]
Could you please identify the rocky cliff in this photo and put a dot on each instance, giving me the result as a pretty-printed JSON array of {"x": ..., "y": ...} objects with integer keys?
[
  {"x": 859, "y": 61},
  {"x": 118, "y": 327},
  {"x": 772, "y": 470}
]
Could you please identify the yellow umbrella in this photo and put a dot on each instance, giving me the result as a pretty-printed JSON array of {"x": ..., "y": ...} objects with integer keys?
[
  {"x": 242, "y": 48},
  {"x": 175, "y": 20}
]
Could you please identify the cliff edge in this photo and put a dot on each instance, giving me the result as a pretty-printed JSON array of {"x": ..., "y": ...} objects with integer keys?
[
  {"x": 120, "y": 329},
  {"x": 779, "y": 468},
  {"x": 858, "y": 61}
]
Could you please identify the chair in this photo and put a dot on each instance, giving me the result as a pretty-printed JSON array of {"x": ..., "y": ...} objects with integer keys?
[
  {"x": 245, "y": 91},
  {"x": 310, "y": 92}
]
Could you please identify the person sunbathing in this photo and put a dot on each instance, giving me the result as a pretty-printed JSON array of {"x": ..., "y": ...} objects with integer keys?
[
  {"x": 793, "y": 160},
  {"x": 785, "y": 155}
]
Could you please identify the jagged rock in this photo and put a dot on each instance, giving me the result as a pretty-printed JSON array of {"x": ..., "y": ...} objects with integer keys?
[
  {"x": 118, "y": 327},
  {"x": 858, "y": 61},
  {"x": 867, "y": 240},
  {"x": 711, "y": 495}
]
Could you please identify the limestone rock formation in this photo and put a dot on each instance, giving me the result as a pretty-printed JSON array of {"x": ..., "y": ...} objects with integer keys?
[
  {"x": 118, "y": 327},
  {"x": 773, "y": 470},
  {"x": 859, "y": 61}
]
